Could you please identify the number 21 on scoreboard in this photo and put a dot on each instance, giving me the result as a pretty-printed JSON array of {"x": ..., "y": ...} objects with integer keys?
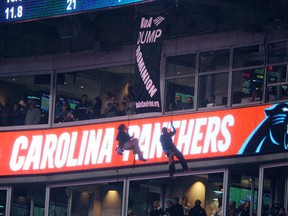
[{"x": 71, "y": 5}]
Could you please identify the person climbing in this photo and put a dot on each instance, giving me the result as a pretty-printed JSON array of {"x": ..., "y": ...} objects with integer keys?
[
  {"x": 170, "y": 150},
  {"x": 127, "y": 142}
]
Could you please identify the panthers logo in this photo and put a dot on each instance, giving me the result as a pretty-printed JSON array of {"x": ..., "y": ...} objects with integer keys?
[{"x": 271, "y": 134}]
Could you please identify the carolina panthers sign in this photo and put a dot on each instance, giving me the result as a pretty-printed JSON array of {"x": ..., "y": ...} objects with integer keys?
[{"x": 223, "y": 133}]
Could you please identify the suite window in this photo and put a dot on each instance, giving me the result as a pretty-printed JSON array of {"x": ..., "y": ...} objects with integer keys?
[
  {"x": 277, "y": 52},
  {"x": 3, "y": 201},
  {"x": 180, "y": 82},
  {"x": 213, "y": 90},
  {"x": 19, "y": 94},
  {"x": 89, "y": 87},
  {"x": 207, "y": 187},
  {"x": 274, "y": 191},
  {"x": 93, "y": 199},
  {"x": 277, "y": 82},
  {"x": 243, "y": 188},
  {"x": 247, "y": 85},
  {"x": 180, "y": 93},
  {"x": 248, "y": 56},
  {"x": 181, "y": 65},
  {"x": 28, "y": 200},
  {"x": 214, "y": 60}
]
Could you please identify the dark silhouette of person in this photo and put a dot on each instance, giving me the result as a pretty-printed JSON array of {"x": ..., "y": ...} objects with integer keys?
[
  {"x": 211, "y": 101},
  {"x": 82, "y": 108},
  {"x": 245, "y": 211},
  {"x": 65, "y": 115},
  {"x": 170, "y": 210},
  {"x": 179, "y": 105},
  {"x": 179, "y": 210},
  {"x": 128, "y": 142},
  {"x": 197, "y": 210},
  {"x": 96, "y": 109},
  {"x": 189, "y": 103},
  {"x": 156, "y": 210},
  {"x": 170, "y": 150}
]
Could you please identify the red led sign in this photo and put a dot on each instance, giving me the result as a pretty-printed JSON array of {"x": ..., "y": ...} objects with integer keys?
[{"x": 90, "y": 147}]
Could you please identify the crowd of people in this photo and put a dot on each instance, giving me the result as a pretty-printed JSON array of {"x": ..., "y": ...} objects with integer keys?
[
  {"x": 28, "y": 111},
  {"x": 16, "y": 113},
  {"x": 175, "y": 208},
  {"x": 85, "y": 109},
  {"x": 24, "y": 112}
]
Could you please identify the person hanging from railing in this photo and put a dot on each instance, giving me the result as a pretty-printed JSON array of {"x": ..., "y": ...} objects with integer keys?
[
  {"x": 170, "y": 150},
  {"x": 127, "y": 142}
]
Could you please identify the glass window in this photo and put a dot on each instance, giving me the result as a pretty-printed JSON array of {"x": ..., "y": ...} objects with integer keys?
[
  {"x": 92, "y": 94},
  {"x": 147, "y": 196},
  {"x": 3, "y": 202},
  {"x": 85, "y": 200},
  {"x": 180, "y": 93},
  {"x": 214, "y": 60},
  {"x": 247, "y": 85},
  {"x": 277, "y": 74},
  {"x": 181, "y": 65},
  {"x": 24, "y": 100},
  {"x": 277, "y": 92},
  {"x": 28, "y": 200},
  {"x": 277, "y": 52},
  {"x": 274, "y": 199},
  {"x": 213, "y": 90},
  {"x": 243, "y": 190},
  {"x": 248, "y": 56}
]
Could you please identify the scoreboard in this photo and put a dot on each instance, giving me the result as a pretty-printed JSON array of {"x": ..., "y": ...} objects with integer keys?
[{"x": 24, "y": 10}]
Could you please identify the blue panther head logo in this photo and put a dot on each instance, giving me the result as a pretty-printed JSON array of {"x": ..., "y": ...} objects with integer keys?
[{"x": 271, "y": 133}]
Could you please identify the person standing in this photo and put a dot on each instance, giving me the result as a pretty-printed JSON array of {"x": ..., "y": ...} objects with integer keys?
[
  {"x": 197, "y": 210},
  {"x": 82, "y": 109},
  {"x": 33, "y": 115},
  {"x": 179, "y": 210},
  {"x": 111, "y": 107},
  {"x": 170, "y": 210},
  {"x": 95, "y": 112},
  {"x": 156, "y": 210},
  {"x": 128, "y": 142},
  {"x": 170, "y": 150},
  {"x": 245, "y": 211},
  {"x": 186, "y": 205}
]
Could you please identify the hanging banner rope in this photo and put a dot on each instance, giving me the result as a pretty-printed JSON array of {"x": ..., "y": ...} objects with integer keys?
[{"x": 147, "y": 69}]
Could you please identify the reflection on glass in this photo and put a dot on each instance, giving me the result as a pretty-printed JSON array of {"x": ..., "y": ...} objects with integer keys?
[
  {"x": 247, "y": 85},
  {"x": 3, "y": 195},
  {"x": 147, "y": 196},
  {"x": 277, "y": 92},
  {"x": 277, "y": 52},
  {"x": 248, "y": 56},
  {"x": 213, "y": 90},
  {"x": 24, "y": 100},
  {"x": 85, "y": 200},
  {"x": 26, "y": 199},
  {"x": 274, "y": 187},
  {"x": 243, "y": 192},
  {"x": 276, "y": 74},
  {"x": 58, "y": 202},
  {"x": 214, "y": 60},
  {"x": 181, "y": 65},
  {"x": 180, "y": 94}
]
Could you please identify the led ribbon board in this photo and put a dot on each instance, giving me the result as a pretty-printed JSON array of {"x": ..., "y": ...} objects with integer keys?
[
  {"x": 23, "y": 10},
  {"x": 220, "y": 133}
]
